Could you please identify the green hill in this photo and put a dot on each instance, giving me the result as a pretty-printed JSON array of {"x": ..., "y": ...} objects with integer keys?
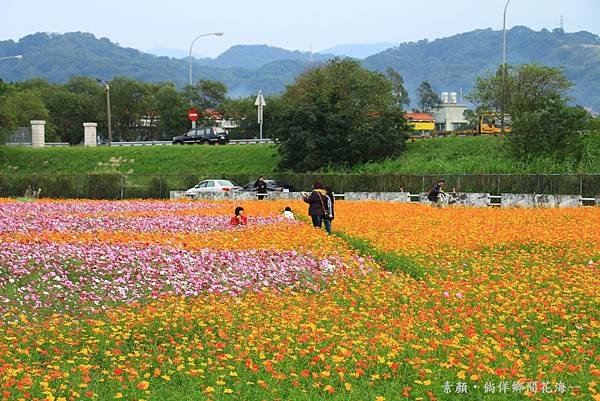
[
  {"x": 453, "y": 63},
  {"x": 449, "y": 64},
  {"x": 451, "y": 155},
  {"x": 242, "y": 159}
]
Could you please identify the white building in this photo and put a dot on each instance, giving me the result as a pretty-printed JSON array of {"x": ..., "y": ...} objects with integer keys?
[{"x": 450, "y": 116}]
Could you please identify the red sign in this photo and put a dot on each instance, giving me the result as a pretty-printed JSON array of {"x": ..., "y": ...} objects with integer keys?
[{"x": 192, "y": 114}]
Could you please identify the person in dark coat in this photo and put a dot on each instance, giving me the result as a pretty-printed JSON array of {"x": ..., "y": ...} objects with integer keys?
[
  {"x": 434, "y": 193},
  {"x": 261, "y": 188},
  {"x": 328, "y": 218},
  {"x": 317, "y": 203}
]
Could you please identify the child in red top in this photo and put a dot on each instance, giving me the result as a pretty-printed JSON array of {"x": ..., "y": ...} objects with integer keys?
[{"x": 239, "y": 219}]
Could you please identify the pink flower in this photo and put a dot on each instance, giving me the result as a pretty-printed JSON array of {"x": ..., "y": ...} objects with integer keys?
[
  {"x": 446, "y": 294},
  {"x": 458, "y": 295}
]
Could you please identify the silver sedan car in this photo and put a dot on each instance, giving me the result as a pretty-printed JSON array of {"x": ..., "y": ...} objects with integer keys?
[{"x": 212, "y": 186}]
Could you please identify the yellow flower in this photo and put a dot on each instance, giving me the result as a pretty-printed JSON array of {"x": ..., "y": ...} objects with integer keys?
[
  {"x": 119, "y": 395},
  {"x": 348, "y": 386},
  {"x": 209, "y": 389},
  {"x": 228, "y": 391}
]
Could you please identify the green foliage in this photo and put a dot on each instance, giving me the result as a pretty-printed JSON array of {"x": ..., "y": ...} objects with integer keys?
[
  {"x": 103, "y": 186},
  {"x": 129, "y": 101},
  {"x": 171, "y": 108},
  {"x": 428, "y": 99},
  {"x": 399, "y": 91},
  {"x": 26, "y": 106},
  {"x": 551, "y": 130},
  {"x": 520, "y": 89},
  {"x": 535, "y": 96},
  {"x": 336, "y": 115},
  {"x": 68, "y": 111},
  {"x": 210, "y": 93},
  {"x": 590, "y": 154}
]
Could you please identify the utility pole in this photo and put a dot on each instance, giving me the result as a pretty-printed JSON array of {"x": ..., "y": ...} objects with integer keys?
[
  {"x": 107, "y": 87},
  {"x": 503, "y": 68}
]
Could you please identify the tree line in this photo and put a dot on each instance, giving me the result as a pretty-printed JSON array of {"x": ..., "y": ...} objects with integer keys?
[
  {"x": 139, "y": 110},
  {"x": 337, "y": 114}
]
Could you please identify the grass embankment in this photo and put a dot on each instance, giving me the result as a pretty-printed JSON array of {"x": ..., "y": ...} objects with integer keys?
[
  {"x": 241, "y": 159},
  {"x": 456, "y": 155},
  {"x": 448, "y": 155}
]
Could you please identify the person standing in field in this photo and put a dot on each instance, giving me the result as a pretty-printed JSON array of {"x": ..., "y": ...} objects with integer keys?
[
  {"x": 261, "y": 188},
  {"x": 434, "y": 193},
  {"x": 317, "y": 203},
  {"x": 328, "y": 218}
]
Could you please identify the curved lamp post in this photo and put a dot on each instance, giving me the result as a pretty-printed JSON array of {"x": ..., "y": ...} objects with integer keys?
[
  {"x": 503, "y": 67},
  {"x": 17, "y": 57},
  {"x": 103, "y": 82},
  {"x": 192, "y": 45}
]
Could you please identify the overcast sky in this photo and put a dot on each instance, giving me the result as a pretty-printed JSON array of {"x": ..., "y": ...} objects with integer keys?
[{"x": 297, "y": 24}]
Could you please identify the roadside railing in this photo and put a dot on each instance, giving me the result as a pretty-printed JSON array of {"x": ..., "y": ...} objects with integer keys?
[{"x": 127, "y": 186}]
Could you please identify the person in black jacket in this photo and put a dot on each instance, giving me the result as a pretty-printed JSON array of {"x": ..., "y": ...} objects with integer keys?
[
  {"x": 434, "y": 193},
  {"x": 328, "y": 218},
  {"x": 317, "y": 203},
  {"x": 261, "y": 188}
]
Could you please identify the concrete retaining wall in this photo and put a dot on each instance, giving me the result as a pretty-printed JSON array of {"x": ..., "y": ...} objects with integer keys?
[
  {"x": 403, "y": 197},
  {"x": 463, "y": 198},
  {"x": 539, "y": 200},
  {"x": 473, "y": 199}
]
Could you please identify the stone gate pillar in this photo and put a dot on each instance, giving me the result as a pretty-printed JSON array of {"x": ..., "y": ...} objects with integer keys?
[
  {"x": 89, "y": 134},
  {"x": 38, "y": 133}
]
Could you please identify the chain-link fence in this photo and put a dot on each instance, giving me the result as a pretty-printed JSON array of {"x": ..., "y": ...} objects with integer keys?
[
  {"x": 21, "y": 135},
  {"x": 129, "y": 186}
]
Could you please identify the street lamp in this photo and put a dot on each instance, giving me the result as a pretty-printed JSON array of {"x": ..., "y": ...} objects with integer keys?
[
  {"x": 504, "y": 34},
  {"x": 103, "y": 82},
  {"x": 192, "y": 45},
  {"x": 17, "y": 57},
  {"x": 503, "y": 67}
]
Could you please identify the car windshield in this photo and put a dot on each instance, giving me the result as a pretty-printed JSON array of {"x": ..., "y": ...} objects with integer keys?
[
  {"x": 219, "y": 130},
  {"x": 225, "y": 183}
]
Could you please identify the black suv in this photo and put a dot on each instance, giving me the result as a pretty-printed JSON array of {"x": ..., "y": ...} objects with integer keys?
[
  {"x": 272, "y": 185},
  {"x": 210, "y": 135}
]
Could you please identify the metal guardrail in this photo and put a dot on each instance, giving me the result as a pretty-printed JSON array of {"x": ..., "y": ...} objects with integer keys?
[
  {"x": 47, "y": 144},
  {"x": 160, "y": 143},
  {"x": 151, "y": 143}
]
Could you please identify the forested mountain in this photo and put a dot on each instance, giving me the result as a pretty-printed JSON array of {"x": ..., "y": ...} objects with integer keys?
[
  {"x": 449, "y": 64},
  {"x": 58, "y": 57},
  {"x": 452, "y": 63},
  {"x": 359, "y": 50},
  {"x": 256, "y": 56}
]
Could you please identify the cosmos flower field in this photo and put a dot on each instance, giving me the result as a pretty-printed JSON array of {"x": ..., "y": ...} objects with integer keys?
[{"x": 158, "y": 300}]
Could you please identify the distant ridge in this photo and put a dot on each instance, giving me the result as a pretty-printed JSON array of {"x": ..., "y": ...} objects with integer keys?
[
  {"x": 449, "y": 64},
  {"x": 359, "y": 50}
]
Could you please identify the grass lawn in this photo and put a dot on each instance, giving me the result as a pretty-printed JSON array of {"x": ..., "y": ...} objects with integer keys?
[
  {"x": 455, "y": 155},
  {"x": 141, "y": 160},
  {"x": 444, "y": 155}
]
